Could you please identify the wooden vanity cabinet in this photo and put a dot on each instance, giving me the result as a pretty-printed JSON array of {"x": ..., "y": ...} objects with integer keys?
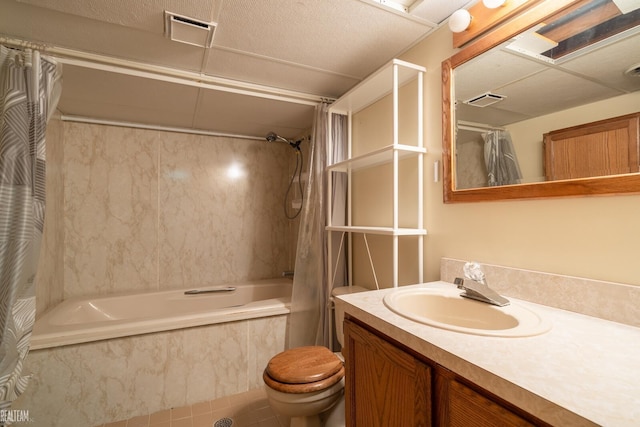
[
  {"x": 387, "y": 386},
  {"x": 384, "y": 386},
  {"x": 462, "y": 406}
]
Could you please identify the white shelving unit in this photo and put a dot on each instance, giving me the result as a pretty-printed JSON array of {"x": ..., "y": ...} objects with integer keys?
[{"x": 386, "y": 81}]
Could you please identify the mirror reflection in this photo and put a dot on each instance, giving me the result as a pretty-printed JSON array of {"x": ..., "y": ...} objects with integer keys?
[{"x": 540, "y": 105}]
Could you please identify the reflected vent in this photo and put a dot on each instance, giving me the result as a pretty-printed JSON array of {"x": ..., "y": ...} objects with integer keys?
[
  {"x": 633, "y": 71},
  {"x": 187, "y": 30},
  {"x": 484, "y": 100}
]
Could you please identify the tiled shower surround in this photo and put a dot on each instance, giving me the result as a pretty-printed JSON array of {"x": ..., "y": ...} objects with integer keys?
[
  {"x": 150, "y": 210},
  {"x": 94, "y": 383},
  {"x": 145, "y": 210}
]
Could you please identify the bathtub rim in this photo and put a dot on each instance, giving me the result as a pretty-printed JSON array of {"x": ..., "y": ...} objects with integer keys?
[{"x": 68, "y": 335}]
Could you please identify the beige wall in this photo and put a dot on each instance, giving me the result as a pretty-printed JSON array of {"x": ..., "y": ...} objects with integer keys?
[{"x": 592, "y": 237}]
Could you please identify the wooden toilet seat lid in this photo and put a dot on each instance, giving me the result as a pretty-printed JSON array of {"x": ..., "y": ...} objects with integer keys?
[
  {"x": 303, "y": 365},
  {"x": 303, "y": 388}
]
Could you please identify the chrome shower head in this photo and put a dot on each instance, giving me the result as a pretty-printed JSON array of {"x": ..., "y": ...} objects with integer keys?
[{"x": 272, "y": 137}]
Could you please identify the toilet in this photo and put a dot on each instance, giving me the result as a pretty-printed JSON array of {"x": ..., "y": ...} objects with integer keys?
[{"x": 307, "y": 383}]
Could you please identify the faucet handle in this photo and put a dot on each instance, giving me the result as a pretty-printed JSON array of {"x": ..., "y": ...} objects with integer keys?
[
  {"x": 459, "y": 282},
  {"x": 473, "y": 271}
]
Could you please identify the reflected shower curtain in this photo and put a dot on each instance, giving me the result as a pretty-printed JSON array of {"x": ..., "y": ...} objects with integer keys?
[
  {"x": 500, "y": 158},
  {"x": 29, "y": 88},
  {"x": 308, "y": 324}
]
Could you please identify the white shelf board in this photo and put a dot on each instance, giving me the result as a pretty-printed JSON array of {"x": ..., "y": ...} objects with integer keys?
[
  {"x": 377, "y": 157},
  {"x": 376, "y": 86},
  {"x": 387, "y": 231}
]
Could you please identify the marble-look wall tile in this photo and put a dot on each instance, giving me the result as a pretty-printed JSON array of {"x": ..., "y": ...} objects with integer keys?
[
  {"x": 607, "y": 300},
  {"x": 220, "y": 210},
  {"x": 110, "y": 209},
  {"x": 90, "y": 384},
  {"x": 150, "y": 210},
  {"x": 50, "y": 280},
  {"x": 269, "y": 338}
]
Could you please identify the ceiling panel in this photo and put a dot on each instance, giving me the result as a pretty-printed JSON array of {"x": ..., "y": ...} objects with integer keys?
[
  {"x": 328, "y": 35},
  {"x": 609, "y": 63},
  {"x": 320, "y": 48},
  {"x": 69, "y": 31},
  {"x": 144, "y": 15},
  {"x": 113, "y": 96},
  {"x": 285, "y": 75},
  {"x": 538, "y": 94},
  {"x": 492, "y": 114},
  {"x": 491, "y": 71},
  {"x": 233, "y": 113},
  {"x": 436, "y": 11}
]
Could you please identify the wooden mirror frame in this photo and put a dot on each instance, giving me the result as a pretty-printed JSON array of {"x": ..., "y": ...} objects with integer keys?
[{"x": 607, "y": 185}]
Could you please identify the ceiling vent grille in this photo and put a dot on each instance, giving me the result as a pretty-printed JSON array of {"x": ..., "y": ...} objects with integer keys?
[
  {"x": 485, "y": 99},
  {"x": 187, "y": 30},
  {"x": 633, "y": 71}
]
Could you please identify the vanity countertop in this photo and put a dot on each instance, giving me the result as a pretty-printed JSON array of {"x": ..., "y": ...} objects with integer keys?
[{"x": 582, "y": 372}]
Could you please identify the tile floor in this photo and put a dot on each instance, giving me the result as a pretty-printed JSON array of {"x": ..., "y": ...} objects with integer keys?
[{"x": 249, "y": 409}]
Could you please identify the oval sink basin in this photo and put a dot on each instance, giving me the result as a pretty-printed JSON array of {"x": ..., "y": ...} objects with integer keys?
[{"x": 446, "y": 309}]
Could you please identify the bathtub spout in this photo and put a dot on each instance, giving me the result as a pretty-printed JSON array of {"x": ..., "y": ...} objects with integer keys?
[{"x": 210, "y": 291}]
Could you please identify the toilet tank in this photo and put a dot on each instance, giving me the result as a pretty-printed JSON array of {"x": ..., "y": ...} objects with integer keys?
[{"x": 339, "y": 311}]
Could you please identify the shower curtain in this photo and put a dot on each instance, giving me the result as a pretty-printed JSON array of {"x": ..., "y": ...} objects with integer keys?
[
  {"x": 500, "y": 158},
  {"x": 29, "y": 89},
  {"x": 309, "y": 322}
]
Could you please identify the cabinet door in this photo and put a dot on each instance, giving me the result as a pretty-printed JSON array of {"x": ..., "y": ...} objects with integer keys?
[
  {"x": 606, "y": 147},
  {"x": 467, "y": 408},
  {"x": 384, "y": 386}
]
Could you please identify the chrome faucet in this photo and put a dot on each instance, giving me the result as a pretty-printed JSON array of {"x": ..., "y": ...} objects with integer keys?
[{"x": 480, "y": 292}]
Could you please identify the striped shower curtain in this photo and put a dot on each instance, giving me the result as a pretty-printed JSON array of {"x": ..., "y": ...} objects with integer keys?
[{"x": 29, "y": 88}]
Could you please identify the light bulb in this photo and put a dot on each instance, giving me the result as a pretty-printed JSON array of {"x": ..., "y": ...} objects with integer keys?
[
  {"x": 459, "y": 20},
  {"x": 492, "y": 4}
]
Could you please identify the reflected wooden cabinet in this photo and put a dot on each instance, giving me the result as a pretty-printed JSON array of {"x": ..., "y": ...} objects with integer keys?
[
  {"x": 602, "y": 148},
  {"x": 389, "y": 386}
]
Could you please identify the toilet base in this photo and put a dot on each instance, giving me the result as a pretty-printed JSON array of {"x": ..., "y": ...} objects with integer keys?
[
  {"x": 332, "y": 417},
  {"x": 310, "y": 409},
  {"x": 312, "y": 421}
]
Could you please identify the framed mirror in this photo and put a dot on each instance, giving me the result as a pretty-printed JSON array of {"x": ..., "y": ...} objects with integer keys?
[{"x": 562, "y": 68}]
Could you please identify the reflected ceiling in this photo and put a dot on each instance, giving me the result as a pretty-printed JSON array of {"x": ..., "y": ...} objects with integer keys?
[{"x": 530, "y": 81}]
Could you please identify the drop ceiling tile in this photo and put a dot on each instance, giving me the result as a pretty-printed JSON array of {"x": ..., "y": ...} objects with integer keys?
[
  {"x": 265, "y": 71},
  {"x": 549, "y": 91},
  {"x": 69, "y": 31},
  {"x": 232, "y": 113},
  {"x": 142, "y": 15},
  {"x": 609, "y": 64},
  {"x": 327, "y": 35},
  {"x": 436, "y": 11},
  {"x": 113, "y": 96},
  {"x": 490, "y": 72},
  {"x": 492, "y": 116}
]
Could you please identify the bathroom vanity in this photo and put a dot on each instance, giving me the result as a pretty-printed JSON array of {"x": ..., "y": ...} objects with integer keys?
[
  {"x": 401, "y": 372},
  {"x": 388, "y": 384}
]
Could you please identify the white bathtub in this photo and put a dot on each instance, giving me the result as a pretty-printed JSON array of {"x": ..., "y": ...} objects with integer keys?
[{"x": 81, "y": 320}]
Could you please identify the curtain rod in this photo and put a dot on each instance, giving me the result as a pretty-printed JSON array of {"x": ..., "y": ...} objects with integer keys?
[
  {"x": 139, "y": 69},
  {"x": 89, "y": 120},
  {"x": 476, "y": 127}
]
